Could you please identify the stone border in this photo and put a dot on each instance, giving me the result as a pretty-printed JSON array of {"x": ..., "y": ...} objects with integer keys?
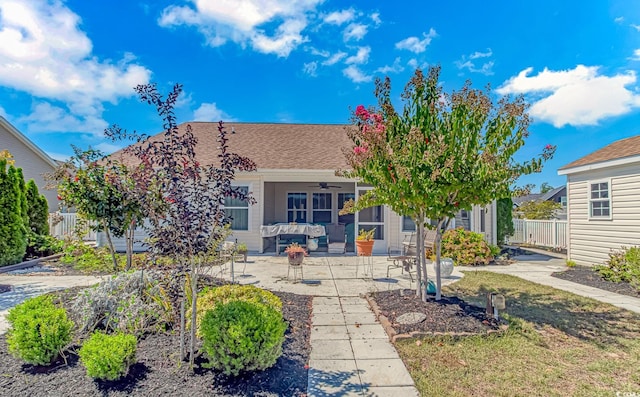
[
  {"x": 394, "y": 336},
  {"x": 31, "y": 263}
]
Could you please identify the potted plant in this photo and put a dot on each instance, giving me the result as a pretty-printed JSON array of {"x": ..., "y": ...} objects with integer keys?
[
  {"x": 295, "y": 253},
  {"x": 364, "y": 242},
  {"x": 241, "y": 248}
]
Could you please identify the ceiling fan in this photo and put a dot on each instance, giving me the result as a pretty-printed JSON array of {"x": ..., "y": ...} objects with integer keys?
[{"x": 325, "y": 186}]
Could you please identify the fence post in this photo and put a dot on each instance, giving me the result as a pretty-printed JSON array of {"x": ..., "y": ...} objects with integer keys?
[{"x": 554, "y": 233}]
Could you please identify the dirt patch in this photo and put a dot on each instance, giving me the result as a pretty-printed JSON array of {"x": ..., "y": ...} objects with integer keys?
[
  {"x": 450, "y": 315},
  {"x": 158, "y": 373},
  {"x": 585, "y": 275}
]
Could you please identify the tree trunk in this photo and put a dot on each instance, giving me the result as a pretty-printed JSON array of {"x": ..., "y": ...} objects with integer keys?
[
  {"x": 419, "y": 226},
  {"x": 129, "y": 241},
  {"x": 111, "y": 248},
  {"x": 182, "y": 325},
  {"x": 194, "y": 302},
  {"x": 438, "y": 247}
]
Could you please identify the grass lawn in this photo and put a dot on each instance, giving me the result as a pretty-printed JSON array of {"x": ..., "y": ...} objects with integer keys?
[{"x": 557, "y": 344}]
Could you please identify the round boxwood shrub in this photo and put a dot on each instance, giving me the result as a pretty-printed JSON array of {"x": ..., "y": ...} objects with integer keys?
[
  {"x": 108, "y": 357},
  {"x": 209, "y": 298},
  {"x": 39, "y": 330},
  {"x": 242, "y": 336}
]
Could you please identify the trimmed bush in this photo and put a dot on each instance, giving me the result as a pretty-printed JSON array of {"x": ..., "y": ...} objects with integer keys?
[
  {"x": 242, "y": 336},
  {"x": 209, "y": 298},
  {"x": 623, "y": 266},
  {"x": 13, "y": 231},
  {"x": 108, "y": 357},
  {"x": 39, "y": 330},
  {"x": 37, "y": 210},
  {"x": 130, "y": 302},
  {"x": 466, "y": 247}
]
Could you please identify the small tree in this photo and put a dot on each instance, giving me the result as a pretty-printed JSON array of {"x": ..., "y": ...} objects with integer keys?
[
  {"x": 504, "y": 207},
  {"x": 13, "y": 238},
  {"x": 181, "y": 197},
  {"x": 545, "y": 187},
  {"x": 38, "y": 210},
  {"x": 440, "y": 154},
  {"x": 537, "y": 209}
]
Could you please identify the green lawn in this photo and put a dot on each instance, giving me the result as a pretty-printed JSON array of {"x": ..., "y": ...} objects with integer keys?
[{"x": 557, "y": 344}]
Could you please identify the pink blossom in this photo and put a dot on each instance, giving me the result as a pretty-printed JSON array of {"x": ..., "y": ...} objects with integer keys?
[
  {"x": 359, "y": 150},
  {"x": 361, "y": 112},
  {"x": 377, "y": 118},
  {"x": 548, "y": 147}
]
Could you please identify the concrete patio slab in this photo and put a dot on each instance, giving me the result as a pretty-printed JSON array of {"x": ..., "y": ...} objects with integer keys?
[
  {"x": 329, "y": 349},
  {"x": 388, "y": 372}
]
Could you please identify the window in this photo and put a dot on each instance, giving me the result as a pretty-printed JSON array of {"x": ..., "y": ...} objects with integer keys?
[
  {"x": 563, "y": 202},
  {"x": 238, "y": 211},
  {"x": 408, "y": 225},
  {"x": 297, "y": 207},
  {"x": 345, "y": 219},
  {"x": 600, "y": 200},
  {"x": 321, "y": 208}
]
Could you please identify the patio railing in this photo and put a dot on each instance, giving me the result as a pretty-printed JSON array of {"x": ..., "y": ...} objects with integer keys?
[
  {"x": 551, "y": 233},
  {"x": 67, "y": 224}
]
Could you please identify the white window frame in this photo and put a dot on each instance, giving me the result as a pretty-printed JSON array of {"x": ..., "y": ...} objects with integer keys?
[
  {"x": 248, "y": 207},
  {"x": 592, "y": 200},
  {"x": 314, "y": 210},
  {"x": 305, "y": 210}
]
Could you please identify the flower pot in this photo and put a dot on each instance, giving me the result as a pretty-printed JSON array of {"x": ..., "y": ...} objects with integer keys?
[
  {"x": 295, "y": 258},
  {"x": 364, "y": 247}
]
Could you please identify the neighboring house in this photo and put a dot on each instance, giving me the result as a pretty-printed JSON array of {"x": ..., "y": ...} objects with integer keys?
[
  {"x": 296, "y": 182},
  {"x": 602, "y": 200},
  {"x": 33, "y": 161},
  {"x": 557, "y": 195}
]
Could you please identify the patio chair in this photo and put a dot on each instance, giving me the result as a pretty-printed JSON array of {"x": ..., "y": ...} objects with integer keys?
[
  {"x": 404, "y": 262},
  {"x": 336, "y": 238}
]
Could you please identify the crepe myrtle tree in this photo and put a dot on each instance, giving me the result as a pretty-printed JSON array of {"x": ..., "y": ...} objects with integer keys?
[
  {"x": 182, "y": 198},
  {"x": 441, "y": 153}
]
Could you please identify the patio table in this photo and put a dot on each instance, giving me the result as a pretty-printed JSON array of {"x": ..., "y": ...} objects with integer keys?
[{"x": 281, "y": 229}]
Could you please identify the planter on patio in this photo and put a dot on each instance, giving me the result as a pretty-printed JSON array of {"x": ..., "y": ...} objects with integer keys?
[
  {"x": 295, "y": 258},
  {"x": 365, "y": 247}
]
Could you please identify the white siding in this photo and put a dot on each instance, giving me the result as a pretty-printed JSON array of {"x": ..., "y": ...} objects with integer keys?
[
  {"x": 591, "y": 240},
  {"x": 33, "y": 166}
]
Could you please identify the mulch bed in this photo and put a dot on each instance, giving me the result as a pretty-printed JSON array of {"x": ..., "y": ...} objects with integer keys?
[
  {"x": 157, "y": 373},
  {"x": 4, "y": 288},
  {"x": 448, "y": 315},
  {"x": 585, "y": 275}
]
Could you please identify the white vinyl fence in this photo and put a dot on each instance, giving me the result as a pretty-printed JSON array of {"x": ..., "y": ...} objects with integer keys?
[
  {"x": 551, "y": 233},
  {"x": 67, "y": 224}
]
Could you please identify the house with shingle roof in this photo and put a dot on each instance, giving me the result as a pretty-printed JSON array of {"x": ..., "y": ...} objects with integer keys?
[
  {"x": 35, "y": 163},
  {"x": 296, "y": 182},
  {"x": 603, "y": 205}
]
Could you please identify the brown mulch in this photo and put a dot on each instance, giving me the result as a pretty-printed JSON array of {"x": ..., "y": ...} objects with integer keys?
[
  {"x": 157, "y": 372},
  {"x": 586, "y": 275},
  {"x": 448, "y": 315}
]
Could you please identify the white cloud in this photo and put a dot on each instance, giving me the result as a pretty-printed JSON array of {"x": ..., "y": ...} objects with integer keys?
[
  {"x": 636, "y": 55},
  {"x": 355, "y": 74},
  {"x": 375, "y": 17},
  {"x": 310, "y": 68},
  {"x": 479, "y": 54},
  {"x": 45, "y": 54},
  {"x": 618, "y": 20},
  {"x": 317, "y": 52},
  {"x": 355, "y": 31},
  {"x": 335, "y": 58},
  {"x": 414, "y": 64},
  {"x": 107, "y": 147},
  {"x": 395, "y": 68},
  {"x": 339, "y": 17},
  {"x": 636, "y": 27},
  {"x": 3, "y": 113},
  {"x": 210, "y": 112},
  {"x": 361, "y": 57},
  {"x": 46, "y": 117},
  {"x": 579, "y": 96},
  {"x": 242, "y": 21},
  {"x": 468, "y": 62},
  {"x": 414, "y": 44}
]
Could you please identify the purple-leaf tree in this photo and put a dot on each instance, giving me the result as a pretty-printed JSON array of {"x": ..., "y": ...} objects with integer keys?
[{"x": 182, "y": 196}]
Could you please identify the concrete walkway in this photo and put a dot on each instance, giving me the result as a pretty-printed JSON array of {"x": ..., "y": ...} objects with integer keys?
[{"x": 538, "y": 268}]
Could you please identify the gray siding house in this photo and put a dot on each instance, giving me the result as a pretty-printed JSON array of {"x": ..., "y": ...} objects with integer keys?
[
  {"x": 33, "y": 160},
  {"x": 603, "y": 201},
  {"x": 296, "y": 182}
]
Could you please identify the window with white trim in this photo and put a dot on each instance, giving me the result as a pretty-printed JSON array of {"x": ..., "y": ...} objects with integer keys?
[
  {"x": 599, "y": 200},
  {"x": 408, "y": 225},
  {"x": 321, "y": 208},
  {"x": 238, "y": 211},
  {"x": 297, "y": 207}
]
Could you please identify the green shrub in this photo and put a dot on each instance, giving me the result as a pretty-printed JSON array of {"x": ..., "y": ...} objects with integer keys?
[
  {"x": 466, "y": 247},
  {"x": 504, "y": 219},
  {"x": 209, "y": 298},
  {"x": 623, "y": 266},
  {"x": 38, "y": 330},
  {"x": 37, "y": 210},
  {"x": 13, "y": 231},
  {"x": 86, "y": 258},
  {"x": 571, "y": 263},
  {"x": 242, "y": 336},
  {"x": 39, "y": 245},
  {"x": 108, "y": 356},
  {"x": 130, "y": 302}
]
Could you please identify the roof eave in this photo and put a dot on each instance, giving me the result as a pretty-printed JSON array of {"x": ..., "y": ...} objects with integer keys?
[{"x": 600, "y": 165}]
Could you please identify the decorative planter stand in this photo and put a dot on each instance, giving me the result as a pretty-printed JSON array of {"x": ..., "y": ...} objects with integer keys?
[
  {"x": 364, "y": 249},
  {"x": 295, "y": 262}
]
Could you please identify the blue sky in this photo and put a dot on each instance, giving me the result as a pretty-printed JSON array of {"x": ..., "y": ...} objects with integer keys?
[{"x": 67, "y": 68}]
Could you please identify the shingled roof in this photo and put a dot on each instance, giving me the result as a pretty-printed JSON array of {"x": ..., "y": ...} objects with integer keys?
[
  {"x": 276, "y": 146},
  {"x": 617, "y": 150}
]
